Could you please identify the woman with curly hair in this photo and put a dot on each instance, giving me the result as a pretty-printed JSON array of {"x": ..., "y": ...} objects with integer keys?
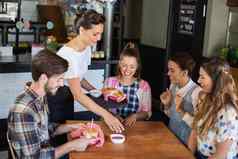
[{"x": 215, "y": 126}]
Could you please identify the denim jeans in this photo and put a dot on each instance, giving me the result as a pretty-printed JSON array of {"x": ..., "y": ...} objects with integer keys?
[{"x": 180, "y": 129}]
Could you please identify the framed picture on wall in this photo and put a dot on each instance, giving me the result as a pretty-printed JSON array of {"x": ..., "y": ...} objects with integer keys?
[{"x": 187, "y": 16}]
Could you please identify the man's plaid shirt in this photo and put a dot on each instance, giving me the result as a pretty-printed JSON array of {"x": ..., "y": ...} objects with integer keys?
[{"x": 28, "y": 127}]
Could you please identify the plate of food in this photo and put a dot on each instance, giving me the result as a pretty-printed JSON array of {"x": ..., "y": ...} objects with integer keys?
[{"x": 113, "y": 94}]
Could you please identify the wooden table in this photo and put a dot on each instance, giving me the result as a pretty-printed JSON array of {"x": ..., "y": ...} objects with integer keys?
[{"x": 146, "y": 140}]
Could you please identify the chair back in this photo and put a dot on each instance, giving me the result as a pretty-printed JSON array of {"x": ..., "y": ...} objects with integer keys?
[{"x": 11, "y": 148}]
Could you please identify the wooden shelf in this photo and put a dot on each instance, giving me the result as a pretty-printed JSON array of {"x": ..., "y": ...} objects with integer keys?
[{"x": 232, "y": 3}]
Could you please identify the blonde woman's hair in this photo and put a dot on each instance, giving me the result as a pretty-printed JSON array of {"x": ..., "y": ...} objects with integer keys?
[{"x": 223, "y": 93}]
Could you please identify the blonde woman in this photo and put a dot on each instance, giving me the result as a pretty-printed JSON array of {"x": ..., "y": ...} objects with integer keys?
[{"x": 215, "y": 127}]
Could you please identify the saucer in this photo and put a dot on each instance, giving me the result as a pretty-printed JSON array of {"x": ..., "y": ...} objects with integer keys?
[{"x": 95, "y": 93}]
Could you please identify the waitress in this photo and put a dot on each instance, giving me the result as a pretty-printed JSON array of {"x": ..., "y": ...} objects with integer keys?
[{"x": 77, "y": 52}]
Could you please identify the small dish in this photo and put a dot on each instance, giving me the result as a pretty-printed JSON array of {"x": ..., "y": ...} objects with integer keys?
[
  {"x": 117, "y": 138},
  {"x": 95, "y": 93}
]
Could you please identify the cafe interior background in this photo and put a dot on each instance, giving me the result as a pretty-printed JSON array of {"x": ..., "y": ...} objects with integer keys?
[{"x": 160, "y": 28}]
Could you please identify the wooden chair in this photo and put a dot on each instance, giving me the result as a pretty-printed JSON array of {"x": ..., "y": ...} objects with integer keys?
[
  {"x": 4, "y": 146},
  {"x": 3, "y": 138},
  {"x": 12, "y": 152}
]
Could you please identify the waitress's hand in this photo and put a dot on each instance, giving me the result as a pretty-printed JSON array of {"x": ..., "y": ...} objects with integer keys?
[
  {"x": 113, "y": 123},
  {"x": 120, "y": 118}
]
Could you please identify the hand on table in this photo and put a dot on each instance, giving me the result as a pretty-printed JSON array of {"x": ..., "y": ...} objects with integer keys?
[{"x": 130, "y": 120}]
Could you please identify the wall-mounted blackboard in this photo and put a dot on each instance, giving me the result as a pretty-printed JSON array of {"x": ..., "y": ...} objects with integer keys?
[{"x": 187, "y": 17}]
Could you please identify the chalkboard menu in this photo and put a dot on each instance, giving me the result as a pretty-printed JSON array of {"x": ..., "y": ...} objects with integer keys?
[{"x": 186, "y": 18}]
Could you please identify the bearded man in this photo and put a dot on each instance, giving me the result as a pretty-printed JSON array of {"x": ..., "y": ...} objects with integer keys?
[{"x": 29, "y": 131}]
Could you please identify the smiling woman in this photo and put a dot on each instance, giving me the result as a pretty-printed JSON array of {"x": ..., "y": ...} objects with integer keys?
[
  {"x": 136, "y": 90},
  {"x": 89, "y": 27},
  {"x": 215, "y": 124},
  {"x": 179, "y": 99}
]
